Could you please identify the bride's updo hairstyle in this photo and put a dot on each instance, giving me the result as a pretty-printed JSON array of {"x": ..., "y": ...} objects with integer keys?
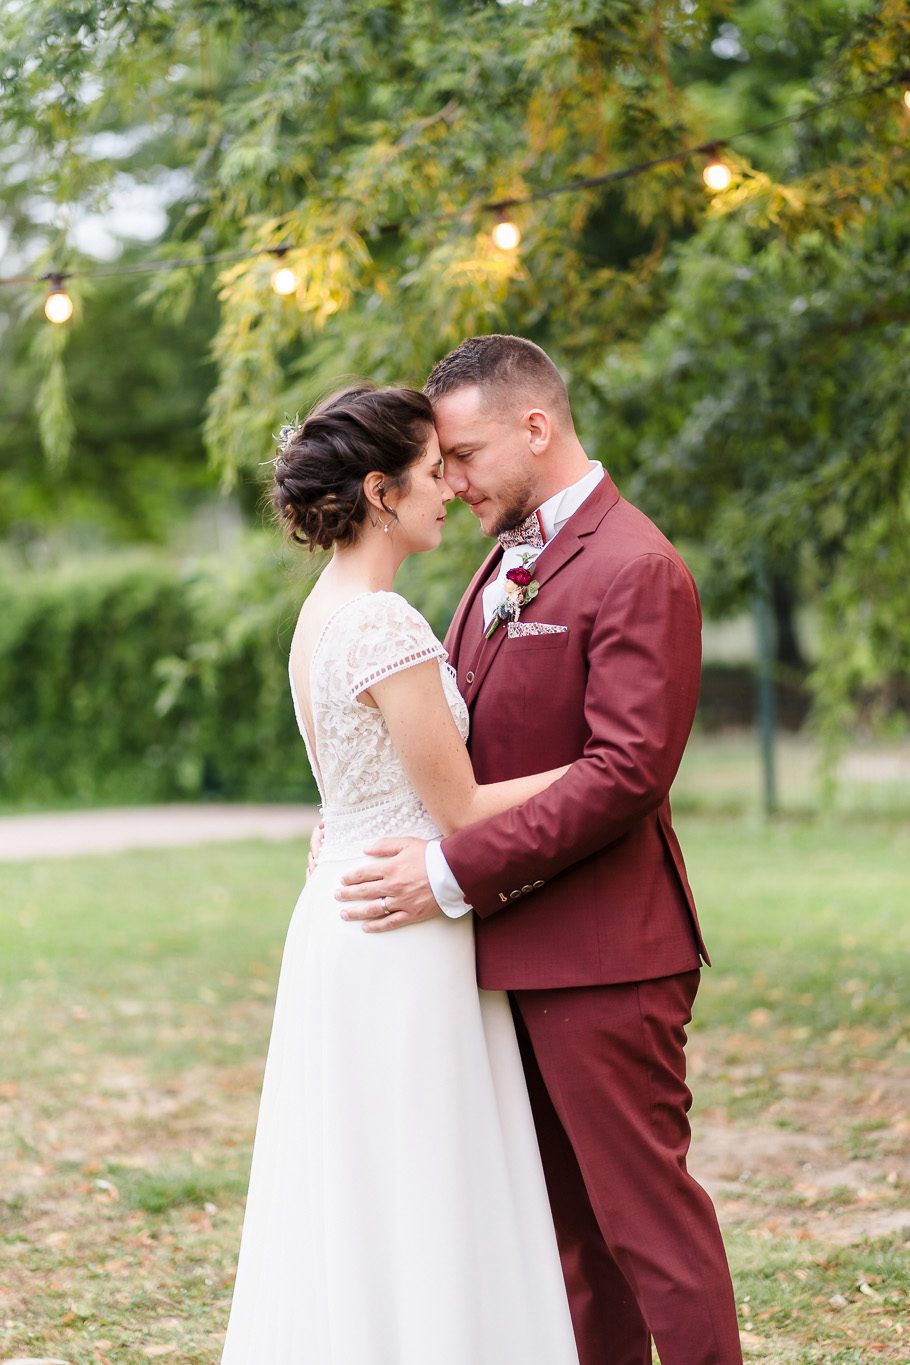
[{"x": 322, "y": 462}]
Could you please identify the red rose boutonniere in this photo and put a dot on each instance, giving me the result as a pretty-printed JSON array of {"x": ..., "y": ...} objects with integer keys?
[{"x": 521, "y": 588}]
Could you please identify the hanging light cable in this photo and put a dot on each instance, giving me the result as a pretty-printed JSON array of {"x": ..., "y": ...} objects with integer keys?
[{"x": 506, "y": 233}]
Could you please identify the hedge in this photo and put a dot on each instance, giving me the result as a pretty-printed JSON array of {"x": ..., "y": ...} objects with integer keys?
[{"x": 136, "y": 678}]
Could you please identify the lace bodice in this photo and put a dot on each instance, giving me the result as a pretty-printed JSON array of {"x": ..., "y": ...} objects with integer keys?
[{"x": 363, "y": 787}]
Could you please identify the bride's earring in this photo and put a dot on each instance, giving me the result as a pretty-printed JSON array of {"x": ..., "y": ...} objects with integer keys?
[{"x": 385, "y": 524}]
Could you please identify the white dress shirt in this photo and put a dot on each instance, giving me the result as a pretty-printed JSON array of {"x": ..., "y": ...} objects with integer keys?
[{"x": 554, "y": 514}]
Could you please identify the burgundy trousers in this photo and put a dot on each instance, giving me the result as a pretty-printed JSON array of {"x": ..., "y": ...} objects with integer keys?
[{"x": 641, "y": 1250}]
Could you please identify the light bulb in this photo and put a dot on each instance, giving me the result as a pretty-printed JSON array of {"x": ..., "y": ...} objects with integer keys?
[
  {"x": 906, "y": 97},
  {"x": 506, "y": 234},
  {"x": 58, "y": 306},
  {"x": 284, "y": 280},
  {"x": 716, "y": 175}
]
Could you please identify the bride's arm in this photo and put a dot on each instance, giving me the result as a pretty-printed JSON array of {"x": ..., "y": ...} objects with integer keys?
[{"x": 414, "y": 707}]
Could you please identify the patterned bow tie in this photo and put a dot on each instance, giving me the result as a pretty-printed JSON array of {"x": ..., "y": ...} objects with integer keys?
[{"x": 530, "y": 532}]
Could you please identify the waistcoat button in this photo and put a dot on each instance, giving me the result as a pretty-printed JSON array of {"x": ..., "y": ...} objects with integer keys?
[{"x": 469, "y": 677}]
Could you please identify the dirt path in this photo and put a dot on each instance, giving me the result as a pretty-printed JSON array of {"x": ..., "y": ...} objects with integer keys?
[{"x": 68, "y": 834}]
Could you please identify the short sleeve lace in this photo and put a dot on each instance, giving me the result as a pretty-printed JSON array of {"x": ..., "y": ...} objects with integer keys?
[
  {"x": 365, "y": 791},
  {"x": 384, "y": 635}
]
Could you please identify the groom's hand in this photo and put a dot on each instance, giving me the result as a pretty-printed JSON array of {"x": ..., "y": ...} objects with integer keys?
[{"x": 391, "y": 893}]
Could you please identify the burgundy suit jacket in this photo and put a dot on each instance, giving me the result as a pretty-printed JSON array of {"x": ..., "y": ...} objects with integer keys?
[{"x": 585, "y": 883}]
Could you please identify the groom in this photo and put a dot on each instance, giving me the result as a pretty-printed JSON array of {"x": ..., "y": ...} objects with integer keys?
[{"x": 583, "y": 910}]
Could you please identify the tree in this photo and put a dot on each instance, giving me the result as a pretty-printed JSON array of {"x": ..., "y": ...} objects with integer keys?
[{"x": 367, "y": 138}]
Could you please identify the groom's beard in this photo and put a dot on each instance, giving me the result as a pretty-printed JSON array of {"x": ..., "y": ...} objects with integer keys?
[{"x": 519, "y": 504}]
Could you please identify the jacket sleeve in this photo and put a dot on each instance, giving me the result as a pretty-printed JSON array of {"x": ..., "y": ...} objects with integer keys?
[{"x": 644, "y": 663}]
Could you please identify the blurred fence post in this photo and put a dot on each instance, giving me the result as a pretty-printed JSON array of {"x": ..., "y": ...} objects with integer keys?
[{"x": 765, "y": 692}]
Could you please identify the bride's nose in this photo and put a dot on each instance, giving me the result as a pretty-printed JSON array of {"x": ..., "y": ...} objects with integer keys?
[{"x": 447, "y": 491}]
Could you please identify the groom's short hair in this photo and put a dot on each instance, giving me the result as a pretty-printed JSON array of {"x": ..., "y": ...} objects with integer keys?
[{"x": 503, "y": 367}]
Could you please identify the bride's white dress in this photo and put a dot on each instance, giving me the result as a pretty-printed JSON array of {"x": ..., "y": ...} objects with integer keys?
[{"x": 397, "y": 1213}]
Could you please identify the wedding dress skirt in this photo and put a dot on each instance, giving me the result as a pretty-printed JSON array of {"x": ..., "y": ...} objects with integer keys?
[{"x": 397, "y": 1213}]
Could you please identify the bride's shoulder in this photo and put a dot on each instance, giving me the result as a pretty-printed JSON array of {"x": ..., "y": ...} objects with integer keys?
[
  {"x": 385, "y": 620},
  {"x": 391, "y": 606}
]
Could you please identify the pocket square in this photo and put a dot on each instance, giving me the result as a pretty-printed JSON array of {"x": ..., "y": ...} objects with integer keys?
[{"x": 521, "y": 630}]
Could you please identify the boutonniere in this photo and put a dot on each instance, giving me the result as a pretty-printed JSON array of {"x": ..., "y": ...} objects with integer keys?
[{"x": 521, "y": 588}]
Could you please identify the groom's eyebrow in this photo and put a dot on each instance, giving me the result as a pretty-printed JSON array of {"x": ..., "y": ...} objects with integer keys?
[{"x": 459, "y": 447}]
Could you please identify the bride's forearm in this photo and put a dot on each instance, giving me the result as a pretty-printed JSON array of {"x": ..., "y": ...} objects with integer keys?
[
  {"x": 434, "y": 756},
  {"x": 492, "y": 798}
]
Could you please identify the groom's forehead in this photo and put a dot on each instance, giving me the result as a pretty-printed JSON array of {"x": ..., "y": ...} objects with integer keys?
[{"x": 462, "y": 417}]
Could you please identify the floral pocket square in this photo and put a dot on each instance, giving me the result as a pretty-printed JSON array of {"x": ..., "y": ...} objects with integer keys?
[{"x": 522, "y": 630}]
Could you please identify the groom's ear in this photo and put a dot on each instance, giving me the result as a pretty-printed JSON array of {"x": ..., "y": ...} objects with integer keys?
[{"x": 539, "y": 428}]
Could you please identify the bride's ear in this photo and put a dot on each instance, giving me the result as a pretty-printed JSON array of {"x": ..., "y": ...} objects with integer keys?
[{"x": 374, "y": 490}]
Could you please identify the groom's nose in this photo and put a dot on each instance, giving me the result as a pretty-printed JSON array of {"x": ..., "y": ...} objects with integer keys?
[{"x": 454, "y": 477}]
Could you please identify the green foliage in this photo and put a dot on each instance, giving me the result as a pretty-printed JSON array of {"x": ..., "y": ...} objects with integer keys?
[
  {"x": 766, "y": 415},
  {"x": 736, "y": 361},
  {"x": 55, "y": 417},
  {"x": 113, "y": 445},
  {"x": 134, "y": 679}
]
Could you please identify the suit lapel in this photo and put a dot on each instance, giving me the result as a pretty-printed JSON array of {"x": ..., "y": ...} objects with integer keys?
[
  {"x": 568, "y": 544},
  {"x": 465, "y": 635},
  {"x": 581, "y": 524}
]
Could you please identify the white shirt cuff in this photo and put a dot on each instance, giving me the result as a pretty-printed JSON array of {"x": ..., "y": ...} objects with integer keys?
[{"x": 442, "y": 881}]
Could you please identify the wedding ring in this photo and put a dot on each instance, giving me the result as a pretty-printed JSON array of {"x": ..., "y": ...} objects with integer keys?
[{"x": 386, "y": 908}]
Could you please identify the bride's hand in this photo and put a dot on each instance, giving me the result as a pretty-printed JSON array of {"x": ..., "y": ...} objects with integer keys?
[
  {"x": 316, "y": 841},
  {"x": 391, "y": 893}
]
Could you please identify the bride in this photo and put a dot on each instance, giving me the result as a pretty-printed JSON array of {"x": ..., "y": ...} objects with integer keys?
[{"x": 397, "y": 1212}]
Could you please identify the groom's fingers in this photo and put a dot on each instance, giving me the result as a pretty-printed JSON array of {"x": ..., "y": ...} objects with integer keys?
[
  {"x": 379, "y": 926},
  {"x": 364, "y": 882},
  {"x": 366, "y": 910},
  {"x": 384, "y": 848}
]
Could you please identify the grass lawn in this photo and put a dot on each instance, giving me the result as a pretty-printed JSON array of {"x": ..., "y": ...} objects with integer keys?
[{"x": 136, "y": 993}]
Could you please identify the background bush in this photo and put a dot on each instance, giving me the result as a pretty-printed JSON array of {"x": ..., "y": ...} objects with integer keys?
[
  {"x": 140, "y": 678},
  {"x": 143, "y": 676}
]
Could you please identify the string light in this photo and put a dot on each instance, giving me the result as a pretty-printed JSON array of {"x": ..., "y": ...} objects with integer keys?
[
  {"x": 58, "y": 306},
  {"x": 284, "y": 279},
  {"x": 717, "y": 174},
  {"x": 906, "y": 97},
  {"x": 506, "y": 232}
]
